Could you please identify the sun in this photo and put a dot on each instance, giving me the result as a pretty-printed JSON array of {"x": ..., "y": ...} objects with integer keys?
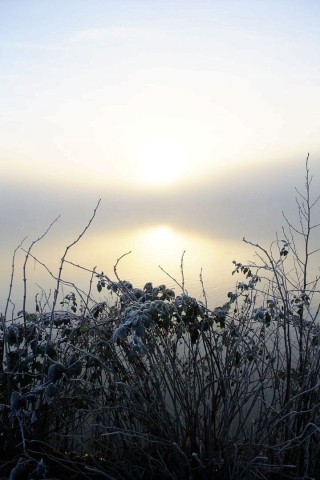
[{"x": 161, "y": 163}]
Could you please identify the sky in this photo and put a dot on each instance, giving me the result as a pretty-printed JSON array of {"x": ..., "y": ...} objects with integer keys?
[
  {"x": 166, "y": 110},
  {"x": 136, "y": 95}
]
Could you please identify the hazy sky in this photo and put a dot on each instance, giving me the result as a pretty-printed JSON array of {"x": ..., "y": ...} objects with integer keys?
[
  {"x": 137, "y": 94},
  {"x": 195, "y": 112}
]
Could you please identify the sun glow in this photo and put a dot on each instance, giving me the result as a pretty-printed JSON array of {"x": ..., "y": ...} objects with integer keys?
[
  {"x": 160, "y": 236},
  {"x": 161, "y": 163}
]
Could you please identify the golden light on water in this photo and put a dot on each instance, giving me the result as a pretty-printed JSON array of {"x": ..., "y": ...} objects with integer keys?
[
  {"x": 160, "y": 239},
  {"x": 146, "y": 249}
]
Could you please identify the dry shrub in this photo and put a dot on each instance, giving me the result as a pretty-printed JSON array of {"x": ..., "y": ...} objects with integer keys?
[{"x": 154, "y": 385}]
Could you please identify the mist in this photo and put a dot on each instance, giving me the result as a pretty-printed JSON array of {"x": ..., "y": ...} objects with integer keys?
[{"x": 246, "y": 202}]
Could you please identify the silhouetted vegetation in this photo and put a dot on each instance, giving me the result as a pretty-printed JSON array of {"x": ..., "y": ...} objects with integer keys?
[{"x": 151, "y": 384}]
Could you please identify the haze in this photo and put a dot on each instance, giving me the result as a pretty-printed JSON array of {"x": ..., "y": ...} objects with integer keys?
[{"x": 196, "y": 115}]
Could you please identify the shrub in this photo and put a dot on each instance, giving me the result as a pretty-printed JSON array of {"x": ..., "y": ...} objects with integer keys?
[{"x": 156, "y": 385}]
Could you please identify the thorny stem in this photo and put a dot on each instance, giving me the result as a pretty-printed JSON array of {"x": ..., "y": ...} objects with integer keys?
[
  {"x": 62, "y": 282},
  {"x": 170, "y": 276},
  {"x": 182, "y": 274},
  {"x": 308, "y": 220},
  {"x": 204, "y": 293},
  {"x": 182, "y": 270},
  {"x": 286, "y": 329},
  {"x": 56, "y": 292},
  {"x": 282, "y": 278},
  {"x": 4, "y": 316},
  {"x": 25, "y": 266},
  {"x": 121, "y": 283},
  {"x": 11, "y": 278}
]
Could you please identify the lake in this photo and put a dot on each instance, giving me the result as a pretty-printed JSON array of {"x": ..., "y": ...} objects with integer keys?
[
  {"x": 154, "y": 250},
  {"x": 206, "y": 223}
]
